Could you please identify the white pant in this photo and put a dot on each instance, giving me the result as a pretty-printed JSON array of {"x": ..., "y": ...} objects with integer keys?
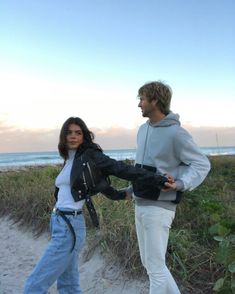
[{"x": 152, "y": 226}]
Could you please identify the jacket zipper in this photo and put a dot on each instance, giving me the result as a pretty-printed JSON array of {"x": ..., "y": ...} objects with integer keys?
[
  {"x": 91, "y": 175},
  {"x": 84, "y": 179}
]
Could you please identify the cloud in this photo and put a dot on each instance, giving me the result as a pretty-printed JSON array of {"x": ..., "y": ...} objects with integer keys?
[
  {"x": 24, "y": 140},
  {"x": 122, "y": 138},
  {"x": 212, "y": 136},
  {"x": 115, "y": 138},
  {"x": 118, "y": 138}
]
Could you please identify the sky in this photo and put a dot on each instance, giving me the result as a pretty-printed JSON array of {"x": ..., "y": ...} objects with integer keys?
[{"x": 89, "y": 58}]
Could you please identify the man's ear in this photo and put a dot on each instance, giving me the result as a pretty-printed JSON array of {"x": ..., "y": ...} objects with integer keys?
[{"x": 155, "y": 102}]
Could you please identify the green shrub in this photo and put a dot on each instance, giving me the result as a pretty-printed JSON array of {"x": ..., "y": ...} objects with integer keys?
[{"x": 201, "y": 245}]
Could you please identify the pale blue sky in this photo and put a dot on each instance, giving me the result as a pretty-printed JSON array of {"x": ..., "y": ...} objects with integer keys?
[{"x": 55, "y": 53}]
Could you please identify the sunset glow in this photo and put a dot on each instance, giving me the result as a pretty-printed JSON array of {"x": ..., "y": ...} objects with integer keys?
[{"x": 87, "y": 59}]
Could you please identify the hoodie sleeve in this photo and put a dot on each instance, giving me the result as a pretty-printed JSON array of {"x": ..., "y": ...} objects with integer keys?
[{"x": 194, "y": 165}]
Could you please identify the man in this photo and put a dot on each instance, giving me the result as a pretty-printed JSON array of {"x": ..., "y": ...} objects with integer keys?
[{"x": 164, "y": 146}]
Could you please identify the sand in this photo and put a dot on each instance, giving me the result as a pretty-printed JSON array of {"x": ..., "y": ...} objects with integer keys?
[{"x": 20, "y": 251}]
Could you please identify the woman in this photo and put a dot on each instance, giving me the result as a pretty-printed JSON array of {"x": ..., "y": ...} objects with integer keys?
[{"x": 60, "y": 260}]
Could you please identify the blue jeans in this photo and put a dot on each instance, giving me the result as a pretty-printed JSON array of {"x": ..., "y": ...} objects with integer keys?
[{"x": 58, "y": 262}]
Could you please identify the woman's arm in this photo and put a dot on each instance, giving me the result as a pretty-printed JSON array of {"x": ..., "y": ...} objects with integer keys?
[
  {"x": 114, "y": 194},
  {"x": 109, "y": 166}
]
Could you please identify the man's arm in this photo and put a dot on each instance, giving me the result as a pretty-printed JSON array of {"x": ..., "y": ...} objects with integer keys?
[{"x": 195, "y": 165}]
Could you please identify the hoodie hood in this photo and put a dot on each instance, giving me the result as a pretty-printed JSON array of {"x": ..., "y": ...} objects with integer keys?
[{"x": 168, "y": 120}]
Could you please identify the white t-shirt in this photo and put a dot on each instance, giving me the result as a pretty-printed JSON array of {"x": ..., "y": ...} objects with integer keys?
[{"x": 65, "y": 198}]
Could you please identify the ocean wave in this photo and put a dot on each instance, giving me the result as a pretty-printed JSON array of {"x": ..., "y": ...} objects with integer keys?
[{"x": 43, "y": 158}]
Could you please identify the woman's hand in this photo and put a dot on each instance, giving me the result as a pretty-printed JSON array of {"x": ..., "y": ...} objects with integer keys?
[{"x": 128, "y": 196}]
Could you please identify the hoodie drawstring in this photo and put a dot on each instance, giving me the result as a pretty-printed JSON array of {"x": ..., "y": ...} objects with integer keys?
[{"x": 145, "y": 144}]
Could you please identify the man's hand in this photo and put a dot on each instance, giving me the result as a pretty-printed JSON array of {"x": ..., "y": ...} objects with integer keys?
[
  {"x": 170, "y": 179},
  {"x": 170, "y": 185}
]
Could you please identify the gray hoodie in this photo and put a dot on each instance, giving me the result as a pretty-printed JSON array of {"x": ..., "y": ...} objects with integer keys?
[{"x": 171, "y": 149}]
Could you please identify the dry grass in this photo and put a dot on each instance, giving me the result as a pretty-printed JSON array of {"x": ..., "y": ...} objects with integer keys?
[{"x": 27, "y": 197}]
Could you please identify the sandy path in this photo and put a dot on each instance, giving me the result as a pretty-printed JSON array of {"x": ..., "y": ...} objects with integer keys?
[{"x": 19, "y": 252}]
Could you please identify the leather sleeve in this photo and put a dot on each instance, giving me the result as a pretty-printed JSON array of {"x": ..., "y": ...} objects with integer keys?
[
  {"x": 114, "y": 194},
  {"x": 109, "y": 166}
]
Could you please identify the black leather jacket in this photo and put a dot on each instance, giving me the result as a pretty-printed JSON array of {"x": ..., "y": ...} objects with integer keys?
[{"x": 102, "y": 166}]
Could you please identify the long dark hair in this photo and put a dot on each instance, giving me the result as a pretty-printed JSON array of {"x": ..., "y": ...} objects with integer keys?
[{"x": 87, "y": 135}]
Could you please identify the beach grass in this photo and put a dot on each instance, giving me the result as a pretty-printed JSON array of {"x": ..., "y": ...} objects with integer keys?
[{"x": 204, "y": 223}]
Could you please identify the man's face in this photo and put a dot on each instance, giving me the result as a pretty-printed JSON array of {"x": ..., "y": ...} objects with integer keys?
[{"x": 147, "y": 107}]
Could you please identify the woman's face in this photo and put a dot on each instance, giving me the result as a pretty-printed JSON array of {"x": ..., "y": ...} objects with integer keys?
[{"x": 74, "y": 137}]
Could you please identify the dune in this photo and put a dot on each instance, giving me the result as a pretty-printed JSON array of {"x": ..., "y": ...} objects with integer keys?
[{"x": 20, "y": 251}]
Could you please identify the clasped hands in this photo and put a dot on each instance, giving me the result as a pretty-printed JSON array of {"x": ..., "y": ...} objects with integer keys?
[{"x": 170, "y": 185}]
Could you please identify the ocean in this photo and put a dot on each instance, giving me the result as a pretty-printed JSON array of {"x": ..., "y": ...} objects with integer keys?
[{"x": 11, "y": 160}]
